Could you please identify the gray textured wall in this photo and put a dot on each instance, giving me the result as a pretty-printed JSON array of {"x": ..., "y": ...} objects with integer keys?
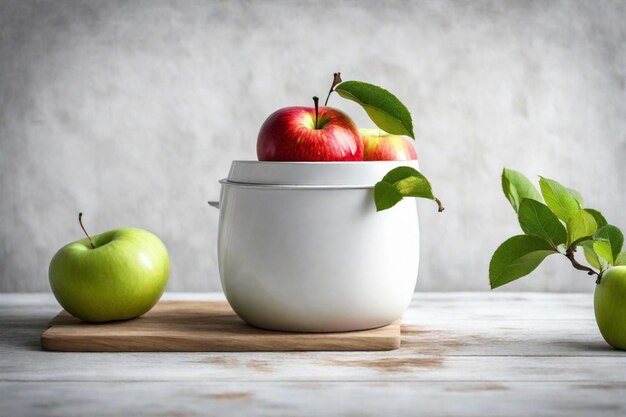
[{"x": 132, "y": 110}]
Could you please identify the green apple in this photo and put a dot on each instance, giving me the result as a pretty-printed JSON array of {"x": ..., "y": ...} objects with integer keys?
[
  {"x": 610, "y": 306},
  {"x": 116, "y": 275}
]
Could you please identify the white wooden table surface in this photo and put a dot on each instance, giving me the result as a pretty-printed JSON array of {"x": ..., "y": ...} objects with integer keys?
[{"x": 467, "y": 354}]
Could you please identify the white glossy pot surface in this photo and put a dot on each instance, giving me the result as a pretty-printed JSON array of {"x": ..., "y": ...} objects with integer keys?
[{"x": 316, "y": 258}]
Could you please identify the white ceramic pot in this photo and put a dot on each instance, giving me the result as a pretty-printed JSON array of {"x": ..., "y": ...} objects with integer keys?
[{"x": 302, "y": 248}]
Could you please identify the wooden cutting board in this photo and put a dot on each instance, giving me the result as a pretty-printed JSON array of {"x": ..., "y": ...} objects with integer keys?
[{"x": 201, "y": 326}]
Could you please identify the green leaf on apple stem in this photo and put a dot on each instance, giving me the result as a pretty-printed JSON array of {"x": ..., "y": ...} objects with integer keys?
[
  {"x": 598, "y": 217},
  {"x": 543, "y": 224},
  {"x": 385, "y": 110},
  {"x": 559, "y": 199},
  {"x": 516, "y": 257},
  {"x": 608, "y": 242},
  {"x": 537, "y": 219},
  {"x": 401, "y": 182},
  {"x": 592, "y": 257},
  {"x": 517, "y": 187},
  {"x": 580, "y": 226}
]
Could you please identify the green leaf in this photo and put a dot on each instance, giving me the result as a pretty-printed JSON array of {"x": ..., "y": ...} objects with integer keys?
[
  {"x": 577, "y": 196},
  {"x": 621, "y": 258},
  {"x": 385, "y": 110},
  {"x": 592, "y": 257},
  {"x": 517, "y": 187},
  {"x": 537, "y": 219},
  {"x": 415, "y": 186},
  {"x": 598, "y": 217},
  {"x": 401, "y": 182},
  {"x": 399, "y": 173},
  {"x": 608, "y": 242},
  {"x": 603, "y": 249},
  {"x": 580, "y": 226},
  {"x": 517, "y": 257},
  {"x": 409, "y": 182},
  {"x": 385, "y": 195},
  {"x": 558, "y": 198}
]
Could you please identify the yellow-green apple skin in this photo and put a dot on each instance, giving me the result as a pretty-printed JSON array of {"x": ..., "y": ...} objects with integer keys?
[
  {"x": 381, "y": 146},
  {"x": 610, "y": 306},
  {"x": 122, "y": 278}
]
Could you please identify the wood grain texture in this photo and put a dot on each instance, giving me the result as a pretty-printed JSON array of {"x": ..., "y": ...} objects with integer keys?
[
  {"x": 201, "y": 326},
  {"x": 327, "y": 399},
  {"x": 462, "y": 354}
]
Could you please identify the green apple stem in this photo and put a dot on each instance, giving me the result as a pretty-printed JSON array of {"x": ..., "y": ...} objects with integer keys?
[
  {"x": 569, "y": 254},
  {"x": 316, "y": 101},
  {"x": 80, "y": 221},
  {"x": 336, "y": 81}
]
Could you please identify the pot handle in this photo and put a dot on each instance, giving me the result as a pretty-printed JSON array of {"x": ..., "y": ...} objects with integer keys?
[{"x": 215, "y": 204}]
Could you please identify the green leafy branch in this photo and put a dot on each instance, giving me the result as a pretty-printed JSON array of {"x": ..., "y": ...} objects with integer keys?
[{"x": 560, "y": 226}]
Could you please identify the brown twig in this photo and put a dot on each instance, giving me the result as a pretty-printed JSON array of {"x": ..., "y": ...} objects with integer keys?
[
  {"x": 569, "y": 254},
  {"x": 336, "y": 80}
]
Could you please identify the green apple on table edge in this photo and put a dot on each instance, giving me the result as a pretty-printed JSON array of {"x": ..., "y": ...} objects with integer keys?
[
  {"x": 610, "y": 306},
  {"x": 116, "y": 275}
]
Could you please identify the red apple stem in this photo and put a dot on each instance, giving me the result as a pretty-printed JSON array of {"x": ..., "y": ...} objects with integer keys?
[
  {"x": 80, "y": 221},
  {"x": 336, "y": 80},
  {"x": 569, "y": 254},
  {"x": 316, "y": 101}
]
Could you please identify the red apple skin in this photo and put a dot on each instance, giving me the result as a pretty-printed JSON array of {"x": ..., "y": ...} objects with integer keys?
[
  {"x": 289, "y": 134},
  {"x": 381, "y": 146}
]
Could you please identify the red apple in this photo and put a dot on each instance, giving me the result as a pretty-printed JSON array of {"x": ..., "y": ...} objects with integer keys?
[
  {"x": 291, "y": 134},
  {"x": 381, "y": 146}
]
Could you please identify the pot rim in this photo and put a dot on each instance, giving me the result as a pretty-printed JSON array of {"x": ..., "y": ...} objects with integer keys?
[
  {"x": 226, "y": 182},
  {"x": 332, "y": 174}
]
